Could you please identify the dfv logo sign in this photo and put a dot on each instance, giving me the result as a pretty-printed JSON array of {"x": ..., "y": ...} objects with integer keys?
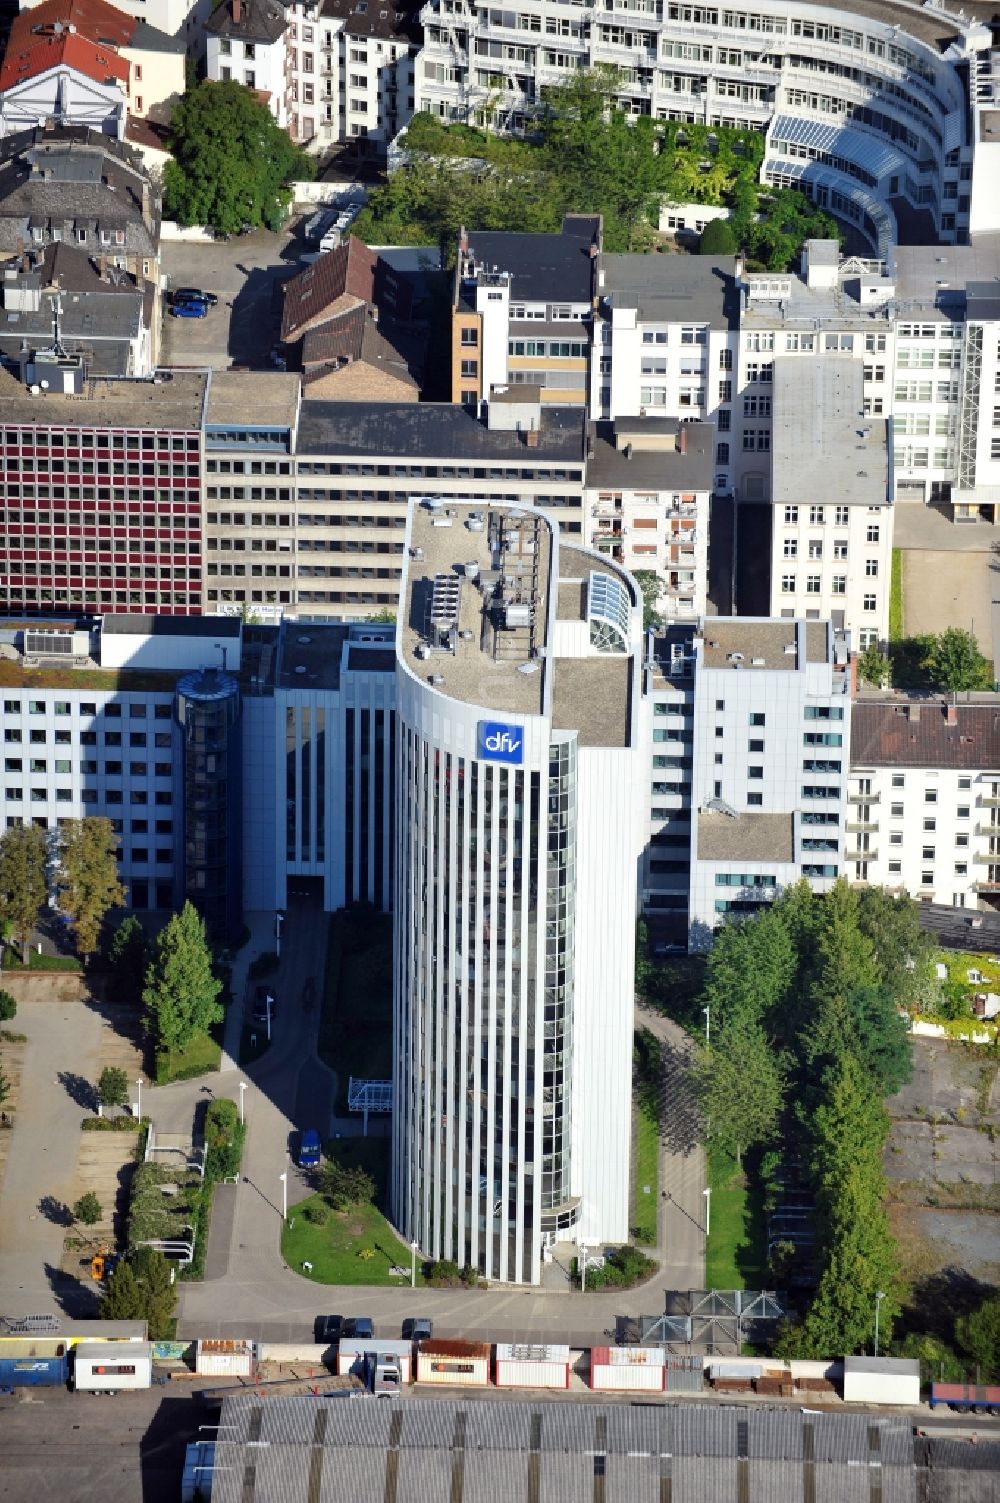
[{"x": 501, "y": 743}]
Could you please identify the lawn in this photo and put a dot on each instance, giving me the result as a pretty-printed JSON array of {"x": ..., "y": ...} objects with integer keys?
[
  {"x": 253, "y": 1042},
  {"x": 335, "y": 1249},
  {"x": 356, "y": 1026},
  {"x": 648, "y": 1075},
  {"x": 736, "y": 1252},
  {"x": 896, "y": 597},
  {"x": 199, "y": 1058}
]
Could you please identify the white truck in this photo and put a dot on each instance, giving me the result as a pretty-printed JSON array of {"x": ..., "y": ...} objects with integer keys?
[{"x": 112, "y": 1366}]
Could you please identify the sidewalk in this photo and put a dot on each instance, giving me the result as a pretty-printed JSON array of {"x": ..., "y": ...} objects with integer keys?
[{"x": 261, "y": 941}]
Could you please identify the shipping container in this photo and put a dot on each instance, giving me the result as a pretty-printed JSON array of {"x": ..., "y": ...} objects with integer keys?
[
  {"x": 736, "y": 1367},
  {"x": 532, "y": 1366},
  {"x": 111, "y": 1366},
  {"x": 353, "y": 1353},
  {"x": 881, "y": 1380},
  {"x": 224, "y": 1359},
  {"x": 314, "y": 1352},
  {"x": 628, "y": 1369},
  {"x": 32, "y": 1372},
  {"x": 810, "y": 1367},
  {"x": 685, "y": 1374},
  {"x": 462, "y": 1363}
]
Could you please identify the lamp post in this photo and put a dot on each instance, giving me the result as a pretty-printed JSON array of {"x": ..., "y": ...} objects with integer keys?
[
  {"x": 879, "y": 1297},
  {"x": 243, "y": 1086},
  {"x": 279, "y": 919},
  {"x": 413, "y": 1264},
  {"x": 284, "y": 1195},
  {"x": 138, "y": 1104},
  {"x": 583, "y": 1267},
  {"x": 269, "y": 1003},
  {"x": 708, "y": 1209},
  {"x": 708, "y": 1024}
]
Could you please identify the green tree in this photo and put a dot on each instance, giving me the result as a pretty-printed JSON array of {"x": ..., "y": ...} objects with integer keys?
[
  {"x": 873, "y": 665},
  {"x": 938, "y": 1362},
  {"x": 128, "y": 956},
  {"x": 232, "y": 162},
  {"x": 880, "y": 1038},
  {"x": 87, "y": 1209},
  {"x": 842, "y": 962},
  {"x": 23, "y": 883},
  {"x": 901, "y": 946},
  {"x": 112, "y": 1087},
  {"x": 750, "y": 968},
  {"x": 8, "y": 1007},
  {"x": 181, "y": 992},
  {"x": 651, "y": 587},
  {"x": 157, "y": 1292},
  {"x": 978, "y": 1335},
  {"x": 342, "y": 1187},
  {"x": 955, "y": 663},
  {"x": 88, "y": 885},
  {"x": 122, "y": 1298},
  {"x": 717, "y": 239},
  {"x": 741, "y": 1083}
]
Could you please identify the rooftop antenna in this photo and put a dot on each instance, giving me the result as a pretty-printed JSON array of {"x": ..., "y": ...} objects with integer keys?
[{"x": 57, "y": 344}]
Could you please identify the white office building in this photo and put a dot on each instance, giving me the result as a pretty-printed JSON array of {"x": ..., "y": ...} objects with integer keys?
[
  {"x": 518, "y": 826},
  {"x": 924, "y": 798},
  {"x": 750, "y": 731}
]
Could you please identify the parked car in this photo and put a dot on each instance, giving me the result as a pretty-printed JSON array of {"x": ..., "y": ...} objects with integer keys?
[
  {"x": 189, "y": 310},
  {"x": 662, "y": 949},
  {"x": 194, "y": 295},
  {"x": 309, "y": 1149},
  {"x": 418, "y": 1328},
  {"x": 259, "y": 1012},
  {"x": 361, "y": 1327},
  {"x": 328, "y": 1328}
]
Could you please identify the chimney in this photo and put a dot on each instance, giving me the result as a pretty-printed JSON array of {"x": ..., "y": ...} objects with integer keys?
[
  {"x": 682, "y": 439},
  {"x": 951, "y": 714},
  {"x": 531, "y": 438},
  {"x": 913, "y": 713},
  {"x": 237, "y": 11},
  {"x": 463, "y": 234}
]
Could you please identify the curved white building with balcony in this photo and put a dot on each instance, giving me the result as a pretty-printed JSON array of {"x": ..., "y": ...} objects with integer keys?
[
  {"x": 519, "y": 811},
  {"x": 880, "y": 109}
]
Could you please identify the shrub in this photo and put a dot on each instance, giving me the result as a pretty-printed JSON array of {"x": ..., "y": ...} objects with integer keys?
[
  {"x": 124, "y": 1123},
  {"x": 112, "y": 1087},
  {"x": 717, "y": 239},
  {"x": 443, "y": 1274},
  {"x": 342, "y": 1187},
  {"x": 88, "y": 1209},
  {"x": 316, "y": 1213},
  {"x": 622, "y": 1269},
  {"x": 8, "y": 1007}
]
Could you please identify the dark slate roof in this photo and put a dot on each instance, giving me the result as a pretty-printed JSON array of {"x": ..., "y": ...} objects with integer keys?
[
  {"x": 375, "y": 18},
  {"x": 69, "y": 178},
  {"x": 674, "y": 289},
  {"x": 173, "y": 626},
  {"x": 371, "y": 659},
  {"x": 917, "y": 734},
  {"x": 259, "y": 20},
  {"x": 543, "y": 268},
  {"x": 982, "y": 301},
  {"x": 440, "y": 431},
  {"x": 356, "y": 336},
  {"x": 656, "y": 469}
]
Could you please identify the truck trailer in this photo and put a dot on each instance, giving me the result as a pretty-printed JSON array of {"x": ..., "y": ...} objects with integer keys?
[{"x": 24, "y": 1371}]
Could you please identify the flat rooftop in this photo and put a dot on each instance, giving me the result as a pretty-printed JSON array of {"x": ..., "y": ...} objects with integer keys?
[
  {"x": 443, "y": 431},
  {"x": 176, "y": 402},
  {"x": 309, "y": 655},
  {"x": 745, "y": 837},
  {"x": 673, "y": 288},
  {"x": 933, "y": 278},
  {"x": 591, "y": 695},
  {"x": 485, "y": 665},
  {"x": 654, "y": 467},
  {"x": 542, "y": 268},
  {"x": 763, "y": 643},
  {"x": 824, "y": 451},
  {"x": 265, "y": 398}
]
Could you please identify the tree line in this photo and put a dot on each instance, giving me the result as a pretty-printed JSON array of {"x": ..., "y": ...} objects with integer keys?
[
  {"x": 583, "y": 154},
  {"x": 807, "y": 1040}
]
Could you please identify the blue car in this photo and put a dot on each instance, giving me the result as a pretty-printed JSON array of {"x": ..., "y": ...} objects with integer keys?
[
  {"x": 309, "y": 1149},
  {"x": 190, "y": 309}
]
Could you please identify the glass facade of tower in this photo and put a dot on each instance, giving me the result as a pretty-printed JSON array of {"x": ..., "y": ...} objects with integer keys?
[{"x": 208, "y": 709}]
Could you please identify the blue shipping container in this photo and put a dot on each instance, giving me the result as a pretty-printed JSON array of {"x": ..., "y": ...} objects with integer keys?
[{"x": 32, "y": 1372}]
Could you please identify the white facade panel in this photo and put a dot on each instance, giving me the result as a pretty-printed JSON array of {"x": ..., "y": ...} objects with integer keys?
[{"x": 174, "y": 654}]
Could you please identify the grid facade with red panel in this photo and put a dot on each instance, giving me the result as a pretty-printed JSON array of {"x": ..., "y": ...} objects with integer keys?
[{"x": 100, "y": 519}]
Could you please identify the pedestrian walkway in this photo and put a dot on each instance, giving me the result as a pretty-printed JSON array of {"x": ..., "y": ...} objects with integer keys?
[{"x": 261, "y": 942}]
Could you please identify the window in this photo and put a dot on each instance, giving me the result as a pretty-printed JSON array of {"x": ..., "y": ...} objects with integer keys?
[
  {"x": 838, "y": 584},
  {"x": 791, "y": 548},
  {"x": 791, "y": 514},
  {"x": 896, "y": 810},
  {"x": 757, "y": 717},
  {"x": 871, "y": 568},
  {"x": 962, "y": 811},
  {"x": 470, "y": 369},
  {"x": 756, "y": 774},
  {"x": 788, "y": 584},
  {"x": 927, "y": 853},
  {"x": 930, "y": 796},
  {"x": 868, "y": 603},
  {"x": 817, "y": 515},
  {"x": 815, "y": 548},
  {"x": 871, "y": 535},
  {"x": 754, "y": 800},
  {"x": 896, "y": 837},
  {"x": 840, "y": 548},
  {"x": 722, "y": 453},
  {"x": 813, "y": 584},
  {"x": 842, "y": 516},
  {"x": 470, "y": 336},
  {"x": 898, "y": 780},
  {"x": 930, "y": 824}
]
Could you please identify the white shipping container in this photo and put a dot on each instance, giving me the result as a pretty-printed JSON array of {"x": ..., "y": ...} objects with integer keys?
[
  {"x": 736, "y": 1367},
  {"x": 532, "y": 1366},
  {"x": 294, "y": 1351},
  {"x": 881, "y": 1380},
  {"x": 809, "y": 1367},
  {"x": 464, "y": 1364},
  {"x": 110, "y": 1366},
  {"x": 224, "y": 1359},
  {"x": 632, "y": 1369}
]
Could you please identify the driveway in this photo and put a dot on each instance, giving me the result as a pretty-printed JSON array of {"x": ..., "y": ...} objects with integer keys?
[{"x": 61, "y": 1062}]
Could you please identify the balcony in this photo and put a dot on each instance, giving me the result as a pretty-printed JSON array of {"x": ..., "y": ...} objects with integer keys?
[
  {"x": 860, "y": 855},
  {"x": 864, "y": 798},
  {"x": 990, "y": 883},
  {"x": 991, "y": 831},
  {"x": 988, "y": 858},
  {"x": 988, "y": 800},
  {"x": 863, "y": 827}
]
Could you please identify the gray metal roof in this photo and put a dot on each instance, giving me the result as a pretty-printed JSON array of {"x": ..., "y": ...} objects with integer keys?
[
  {"x": 543, "y": 268},
  {"x": 172, "y": 626},
  {"x": 823, "y": 448},
  {"x": 432, "y": 430},
  {"x": 673, "y": 288}
]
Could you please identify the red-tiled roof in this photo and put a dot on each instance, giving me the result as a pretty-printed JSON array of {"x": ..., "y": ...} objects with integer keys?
[
  {"x": 349, "y": 270},
  {"x": 925, "y": 734},
  {"x": 95, "y": 19},
  {"x": 98, "y": 61}
]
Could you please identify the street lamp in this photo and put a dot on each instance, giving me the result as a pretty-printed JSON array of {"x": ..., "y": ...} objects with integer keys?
[
  {"x": 279, "y": 919},
  {"x": 269, "y": 1003},
  {"x": 413, "y": 1264},
  {"x": 879, "y": 1297},
  {"x": 138, "y": 1104},
  {"x": 583, "y": 1267},
  {"x": 708, "y": 1024},
  {"x": 243, "y": 1086},
  {"x": 284, "y": 1195},
  {"x": 708, "y": 1209}
]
